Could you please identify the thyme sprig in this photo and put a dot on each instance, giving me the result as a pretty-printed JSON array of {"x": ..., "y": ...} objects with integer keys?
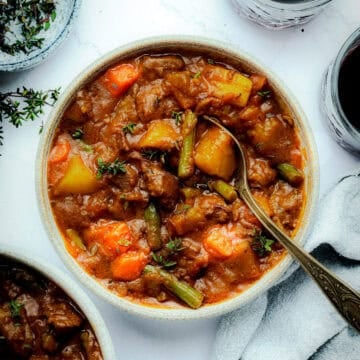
[
  {"x": 32, "y": 17},
  {"x": 113, "y": 168},
  {"x": 24, "y": 104},
  {"x": 15, "y": 308},
  {"x": 261, "y": 244}
]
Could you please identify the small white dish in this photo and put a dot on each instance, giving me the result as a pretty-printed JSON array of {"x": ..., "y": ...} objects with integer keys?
[
  {"x": 66, "y": 13},
  {"x": 71, "y": 289}
]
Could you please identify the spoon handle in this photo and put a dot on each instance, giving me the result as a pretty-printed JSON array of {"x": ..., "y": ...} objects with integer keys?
[{"x": 345, "y": 299}]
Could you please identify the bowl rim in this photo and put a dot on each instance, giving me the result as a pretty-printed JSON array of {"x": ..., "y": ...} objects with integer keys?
[
  {"x": 153, "y": 44},
  {"x": 71, "y": 288},
  {"x": 38, "y": 57}
]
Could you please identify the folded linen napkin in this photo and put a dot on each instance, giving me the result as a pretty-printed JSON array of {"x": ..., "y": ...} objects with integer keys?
[{"x": 294, "y": 320}]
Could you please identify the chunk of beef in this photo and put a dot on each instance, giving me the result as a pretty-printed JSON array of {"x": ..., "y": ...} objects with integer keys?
[
  {"x": 127, "y": 181},
  {"x": 213, "y": 207},
  {"x": 157, "y": 66},
  {"x": 78, "y": 211},
  {"x": 125, "y": 111},
  {"x": 16, "y": 330},
  {"x": 260, "y": 173},
  {"x": 62, "y": 316},
  {"x": 96, "y": 101},
  {"x": 206, "y": 209},
  {"x": 285, "y": 202},
  {"x": 185, "y": 88},
  {"x": 153, "y": 101},
  {"x": 242, "y": 214},
  {"x": 160, "y": 184},
  {"x": 31, "y": 306},
  {"x": 193, "y": 259}
]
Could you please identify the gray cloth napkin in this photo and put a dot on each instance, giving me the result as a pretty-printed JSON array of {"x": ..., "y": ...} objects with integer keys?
[{"x": 293, "y": 320}]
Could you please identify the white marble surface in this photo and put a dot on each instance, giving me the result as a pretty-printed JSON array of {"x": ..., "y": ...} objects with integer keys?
[{"x": 298, "y": 57}]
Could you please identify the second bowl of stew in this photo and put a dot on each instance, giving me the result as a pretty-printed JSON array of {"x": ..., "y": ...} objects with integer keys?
[{"x": 137, "y": 191}]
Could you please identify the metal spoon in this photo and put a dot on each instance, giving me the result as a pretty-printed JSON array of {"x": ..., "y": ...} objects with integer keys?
[{"x": 345, "y": 299}]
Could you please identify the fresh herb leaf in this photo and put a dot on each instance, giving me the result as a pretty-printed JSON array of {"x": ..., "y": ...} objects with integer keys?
[
  {"x": 265, "y": 94},
  {"x": 197, "y": 75},
  {"x": 113, "y": 168},
  {"x": 31, "y": 106},
  {"x": 77, "y": 134},
  {"x": 154, "y": 155},
  {"x": 53, "y": 16},
  {"x": 129, "y": 128},
  {"x": 261, "y": 244},
  {"x": 15, "y": 308},
  {"x": 175, "y": 245},
  {"x": 163, "y": 262},
  {"x": 31, "y": 18},
  {"x": 177, "y": 116}
]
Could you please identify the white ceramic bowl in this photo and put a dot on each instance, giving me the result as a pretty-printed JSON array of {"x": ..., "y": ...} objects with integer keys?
[
  {"x": 71, "y": 289},
  {"x": 66, "y": 13},
  {"x": 175, "y": 44}
]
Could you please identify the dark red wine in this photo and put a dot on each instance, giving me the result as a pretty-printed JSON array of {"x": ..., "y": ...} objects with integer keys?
[{"x": 349, "y": 83}]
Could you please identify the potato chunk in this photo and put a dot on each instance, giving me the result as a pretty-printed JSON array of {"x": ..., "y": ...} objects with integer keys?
[
  {"x": 160, "y": 135},
  {"x": 215, "y": 154},
  {"x": 78, "y": 178},
  {"x": 229, "y": 85}
]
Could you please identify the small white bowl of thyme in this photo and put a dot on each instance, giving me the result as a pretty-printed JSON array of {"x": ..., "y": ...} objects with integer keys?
[{"x": 30, "y": 30}]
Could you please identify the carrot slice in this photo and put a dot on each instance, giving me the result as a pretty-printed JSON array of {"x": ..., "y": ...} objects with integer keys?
[
  {"x": 218, "y": 243},
  {"x": 259, "y": 82},
  {"x": 113, "y": 237},
  {"x": 60, "y": 152},
  {"x": 128, "y": 266},
  {"x": 119, "y": 78}
]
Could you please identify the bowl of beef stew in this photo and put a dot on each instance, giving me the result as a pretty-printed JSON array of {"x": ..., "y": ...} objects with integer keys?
[
  {"x": 137, "y": 191},
  {"x": 44, "y": 314}
]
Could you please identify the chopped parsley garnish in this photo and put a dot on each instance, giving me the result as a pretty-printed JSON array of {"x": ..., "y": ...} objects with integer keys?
[
  {"x": 177, "y": 116},
  {"x": 197, "y": 75},
  {"x": 261, "y": 244},
  {"x": 15, "y": 308},
  {"x": 114, "y": 168},
  {"x": 265, "y": 94},
  {"x": 77, "y": 134},
  {"x": 129, "y": 128}
]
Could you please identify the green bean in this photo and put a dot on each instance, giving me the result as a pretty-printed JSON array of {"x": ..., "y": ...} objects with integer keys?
[
  {"x": 189, "y": 192},
  {"x": 291, "y": 174},
  {"x": 75, "y": 238},
  {"x": 182, "y": 290},
  {"x": 186, "y": 165},
  {"x": 224, "y": 189},
  {"x": 153, "y": 224}
]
